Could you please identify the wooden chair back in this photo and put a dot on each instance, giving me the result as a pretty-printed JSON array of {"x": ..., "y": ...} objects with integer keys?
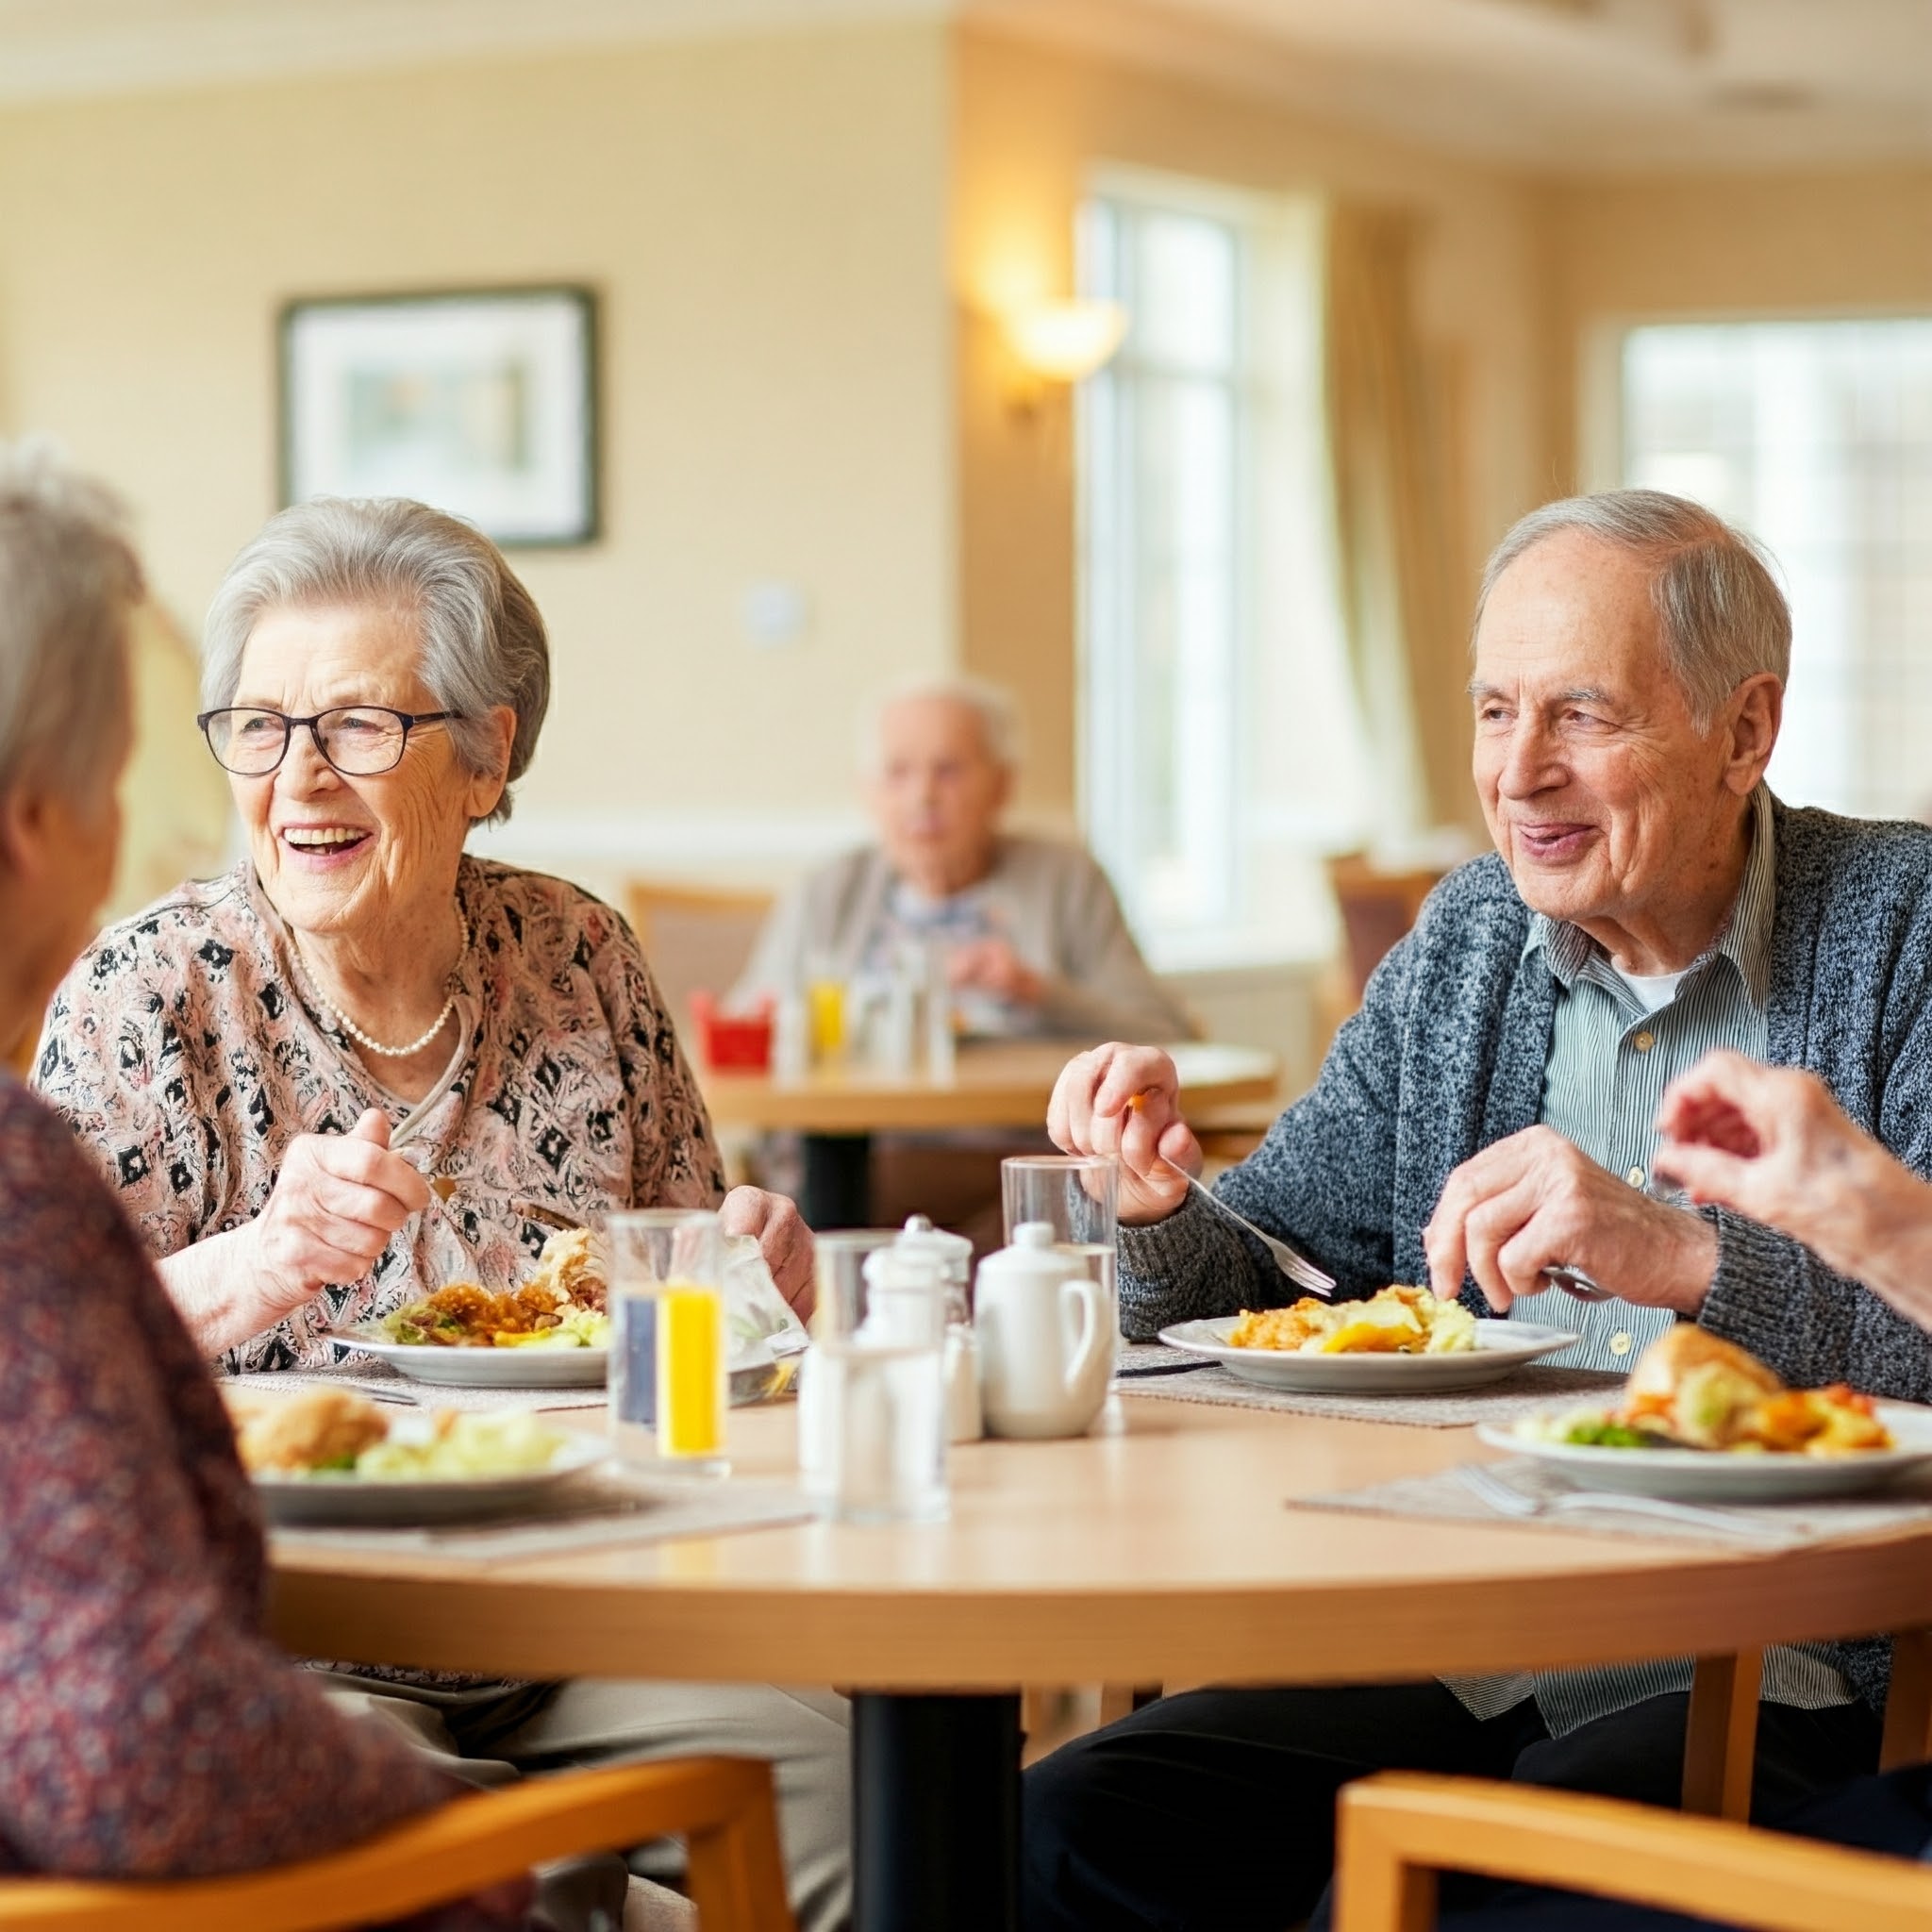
[
  {"x": 722, "y": 1807},
  {"x": 1395, "y": 1833},
  {"x": 1376, "y": 907},
  {"x": 695, "y": 937}
]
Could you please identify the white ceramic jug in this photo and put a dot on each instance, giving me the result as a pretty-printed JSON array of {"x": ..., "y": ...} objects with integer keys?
[{"x": 1045, "y": 1346}]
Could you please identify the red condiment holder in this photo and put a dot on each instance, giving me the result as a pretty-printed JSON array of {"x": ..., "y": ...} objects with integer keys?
[{"x": 733, "y": 1042}]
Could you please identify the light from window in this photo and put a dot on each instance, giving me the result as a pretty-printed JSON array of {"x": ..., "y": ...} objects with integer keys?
[
  {"x": 1220, "y": 752},
  {"x": 1817, "y": 437}
]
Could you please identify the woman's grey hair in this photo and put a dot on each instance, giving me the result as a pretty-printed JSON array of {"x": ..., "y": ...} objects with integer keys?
[
  {"x": 993, "y": 705},
  {"x": 482, "y": 639},
  {"x": 69, "y": 581},
  {"x": 1720, "y": 611}
]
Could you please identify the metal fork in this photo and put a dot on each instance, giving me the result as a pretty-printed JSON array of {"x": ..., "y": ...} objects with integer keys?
[
  {"x": 1296, "y": 1266},
  {"x": 1505, "y": 1499}
]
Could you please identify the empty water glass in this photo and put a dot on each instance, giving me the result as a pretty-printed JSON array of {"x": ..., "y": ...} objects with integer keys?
[{"x": 1076, "y": 1195}]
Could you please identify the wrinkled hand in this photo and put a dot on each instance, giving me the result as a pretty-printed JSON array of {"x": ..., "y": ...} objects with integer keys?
[
  {"x": 1127, "y": 1101},
  {"x": 993, "y": 966},
  {"x": 336, "y": 1201},
  {"x": 783, "y": 1239},
  {"x": 1534, "y": 1201}
]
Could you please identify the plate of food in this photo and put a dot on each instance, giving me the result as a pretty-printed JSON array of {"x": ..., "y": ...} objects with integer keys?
[
  {"x": 1701, "y": 1420},
  {"x": 552, "y": 1332},
  {"x": 329, "y": 1456},
  {"x": 1398, "y": 1342}
]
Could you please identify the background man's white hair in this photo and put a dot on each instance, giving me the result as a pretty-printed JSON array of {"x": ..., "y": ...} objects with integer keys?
[
  {"x": 1721, "y": 615},
  {"x": 998, "y": 715}
]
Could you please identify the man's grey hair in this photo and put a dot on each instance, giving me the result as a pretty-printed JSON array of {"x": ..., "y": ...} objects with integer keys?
[
  {"x": 481, "y": 637},
  {"x": 990, "y": 703},
  {"x": 1720, "y": 612},
  {"x": 69, "y": 581}
]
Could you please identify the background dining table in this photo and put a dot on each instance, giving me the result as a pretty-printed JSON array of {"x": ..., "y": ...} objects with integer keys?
[
  {"x": 1165, "y": 1548},
  {"x": 838, "y": 1107}
]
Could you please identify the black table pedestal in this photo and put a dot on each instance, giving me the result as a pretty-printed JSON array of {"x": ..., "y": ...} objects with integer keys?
[
  {"x": 836, "y": 1187},
  {"x": 936, "y": 1801}
]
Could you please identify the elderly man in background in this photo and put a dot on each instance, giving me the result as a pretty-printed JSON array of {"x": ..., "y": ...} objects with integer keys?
[
  {"x": 1033, "y": 935},
  {"x": 1490, "y": 1114}
]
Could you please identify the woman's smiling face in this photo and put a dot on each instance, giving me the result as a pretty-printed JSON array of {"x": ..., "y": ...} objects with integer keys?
[{"x": 345, "y": 856}]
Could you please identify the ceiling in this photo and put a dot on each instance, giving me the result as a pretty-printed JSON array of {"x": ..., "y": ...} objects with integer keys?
[{"x": 1564, "y": 86}]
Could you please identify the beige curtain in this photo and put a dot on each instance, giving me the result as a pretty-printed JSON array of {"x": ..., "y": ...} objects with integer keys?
[{"x": 1391, "y": 418}]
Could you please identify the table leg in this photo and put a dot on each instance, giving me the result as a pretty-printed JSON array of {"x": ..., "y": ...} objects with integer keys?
[
  {"x": 936, "y": 1803},
  {"x": 1721, "y": 1735},
  {"x": 835, "y": 1190}
]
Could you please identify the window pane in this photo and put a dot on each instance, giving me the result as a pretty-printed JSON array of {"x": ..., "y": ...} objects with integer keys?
[
  {"x": 1817, "y": 437},
  {"x": 1183, "y": 297}
]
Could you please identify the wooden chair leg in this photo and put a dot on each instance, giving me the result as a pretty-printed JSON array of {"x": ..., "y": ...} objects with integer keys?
[
  {"x": 1721, "y": 1735},
  {"x": 735, "y": 1873},
  {"x": 1907, "y": 1737},
  {"x": 1118, "y": 1701}
]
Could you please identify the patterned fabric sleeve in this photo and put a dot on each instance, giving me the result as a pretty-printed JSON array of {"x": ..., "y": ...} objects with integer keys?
[
  {"x": 676, "y": 1161},
  {"x": 146, "y": 1726}
]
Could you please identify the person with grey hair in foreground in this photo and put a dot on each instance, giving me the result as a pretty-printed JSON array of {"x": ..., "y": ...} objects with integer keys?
[
  {"x": 1490, "y": 1114},
  {"x": 151, "y": 1728},
  {"x": 1033, "y": 935},
  {"x": 240, "y": 1055}
]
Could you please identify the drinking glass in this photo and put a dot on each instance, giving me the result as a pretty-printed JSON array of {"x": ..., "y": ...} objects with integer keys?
[
  {"x": 669, "y": 1390},
  {"x": 1076, "y": 1195}
]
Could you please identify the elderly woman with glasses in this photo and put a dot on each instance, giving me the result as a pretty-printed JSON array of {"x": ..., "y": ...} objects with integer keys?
[{"x": 271, "y": 1066}]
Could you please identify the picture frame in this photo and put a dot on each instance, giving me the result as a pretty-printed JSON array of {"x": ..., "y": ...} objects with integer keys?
[{"x": 481, "y": 401}]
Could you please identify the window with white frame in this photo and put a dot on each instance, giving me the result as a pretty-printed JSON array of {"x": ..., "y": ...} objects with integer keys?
[
  {"x": 1220, "y": 752},
  {"x": 1817, "y": 437}
]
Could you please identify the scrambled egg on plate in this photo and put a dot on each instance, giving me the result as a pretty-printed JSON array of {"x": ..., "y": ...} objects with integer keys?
[{"x": 1396, "y": 1321}]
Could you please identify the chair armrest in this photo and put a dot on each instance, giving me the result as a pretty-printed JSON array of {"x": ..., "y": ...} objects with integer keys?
[
  {"x": 460, "y": 1847},
  {"x": 1395, "y": 1832}
]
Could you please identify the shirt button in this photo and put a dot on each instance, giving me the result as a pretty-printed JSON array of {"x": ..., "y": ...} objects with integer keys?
[
  {"x": 1619, "y": 1343},
  {"x": 1635, "y": 1176},
  {"x": 1645, "y": 1041}
]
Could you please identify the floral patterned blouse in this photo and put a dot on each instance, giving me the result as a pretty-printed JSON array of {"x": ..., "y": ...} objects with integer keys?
[
  {"x": 148, "y": 1728},
  {"x": 187, "y": 1051}
]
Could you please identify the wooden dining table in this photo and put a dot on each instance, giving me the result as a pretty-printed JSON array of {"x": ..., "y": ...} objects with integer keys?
[
  {"x": 1164, "y": 1548},
  {"x": 840, "y": 1105}
]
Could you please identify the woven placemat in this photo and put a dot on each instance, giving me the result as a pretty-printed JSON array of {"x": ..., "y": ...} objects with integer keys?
[
  {"x": 381, "y": 1383},
  {"x": 1445, "y": 1497},
  {"x": 1517, "y": 1394},
  {"x": 592, "y": 1512}
]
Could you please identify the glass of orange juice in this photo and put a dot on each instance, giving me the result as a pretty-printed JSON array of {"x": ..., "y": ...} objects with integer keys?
[{"x": 669, "y": 1387}]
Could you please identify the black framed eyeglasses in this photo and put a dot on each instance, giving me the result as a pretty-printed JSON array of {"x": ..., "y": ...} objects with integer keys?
[{"x": 358, "y": 741}]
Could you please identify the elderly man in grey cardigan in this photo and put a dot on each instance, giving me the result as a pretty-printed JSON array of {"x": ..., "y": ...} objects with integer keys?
[{"x": 1490, "y": 1114}]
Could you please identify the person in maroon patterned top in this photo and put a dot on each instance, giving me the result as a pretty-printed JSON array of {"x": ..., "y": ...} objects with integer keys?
[{"x": 148, "y": 1728}]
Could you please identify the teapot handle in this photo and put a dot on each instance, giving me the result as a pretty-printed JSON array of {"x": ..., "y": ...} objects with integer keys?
[{"x": 1082, "y": 1292}]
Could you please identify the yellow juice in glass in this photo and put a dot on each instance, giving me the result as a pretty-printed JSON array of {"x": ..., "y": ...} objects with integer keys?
[
  {"x": 691, "y": 1394},
  {"x": 825, "y": 1002}
]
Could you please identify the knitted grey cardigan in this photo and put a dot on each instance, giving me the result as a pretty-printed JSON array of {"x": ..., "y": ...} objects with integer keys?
[{"x": 1447, "y": 1055}]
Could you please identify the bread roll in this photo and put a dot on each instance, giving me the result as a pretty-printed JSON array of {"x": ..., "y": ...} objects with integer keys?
[{"x": 1661, "y": 1368}]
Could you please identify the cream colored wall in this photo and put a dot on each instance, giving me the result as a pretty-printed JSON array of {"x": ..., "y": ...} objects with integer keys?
[
  {"x": 765, "y": 218},
  {"x": 1030, "y": 124},
  {"x": 1841, "y": 241}
]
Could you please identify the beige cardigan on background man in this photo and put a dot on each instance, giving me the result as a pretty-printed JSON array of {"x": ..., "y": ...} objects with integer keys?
[{"x": 1050, "y": 901}]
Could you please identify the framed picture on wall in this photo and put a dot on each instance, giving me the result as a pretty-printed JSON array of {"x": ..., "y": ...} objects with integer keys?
[{"x": 482, "y": 402}]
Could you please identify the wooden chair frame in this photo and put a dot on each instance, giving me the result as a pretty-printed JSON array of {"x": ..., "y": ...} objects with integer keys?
[
  {"x": 721, "y": 1806},
  {"x": 1398, "y": 1832}
]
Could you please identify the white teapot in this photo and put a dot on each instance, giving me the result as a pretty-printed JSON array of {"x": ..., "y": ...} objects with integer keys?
[{"x": 1047, "y": 1346}]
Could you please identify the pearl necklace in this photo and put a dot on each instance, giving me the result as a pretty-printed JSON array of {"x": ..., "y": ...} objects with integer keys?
[{"x": 345, "y": 1025}]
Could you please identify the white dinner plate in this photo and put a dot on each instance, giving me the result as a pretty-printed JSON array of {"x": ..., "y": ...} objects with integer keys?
[
  {"x": 1500, "y": 1347},
  {"x": 1699, "y": 1475},
  {"x": 334, "y": 1497},
  {"x": 482, "y": 1367}
]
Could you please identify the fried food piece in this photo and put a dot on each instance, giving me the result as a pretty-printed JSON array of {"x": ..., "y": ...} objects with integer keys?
[
  {"x": 321, "y": 1428},
  {"x": 570, "y": 1270},
  {"x": 1287, "y": 1329},
  {"x": 1697, "y": 1389}
]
